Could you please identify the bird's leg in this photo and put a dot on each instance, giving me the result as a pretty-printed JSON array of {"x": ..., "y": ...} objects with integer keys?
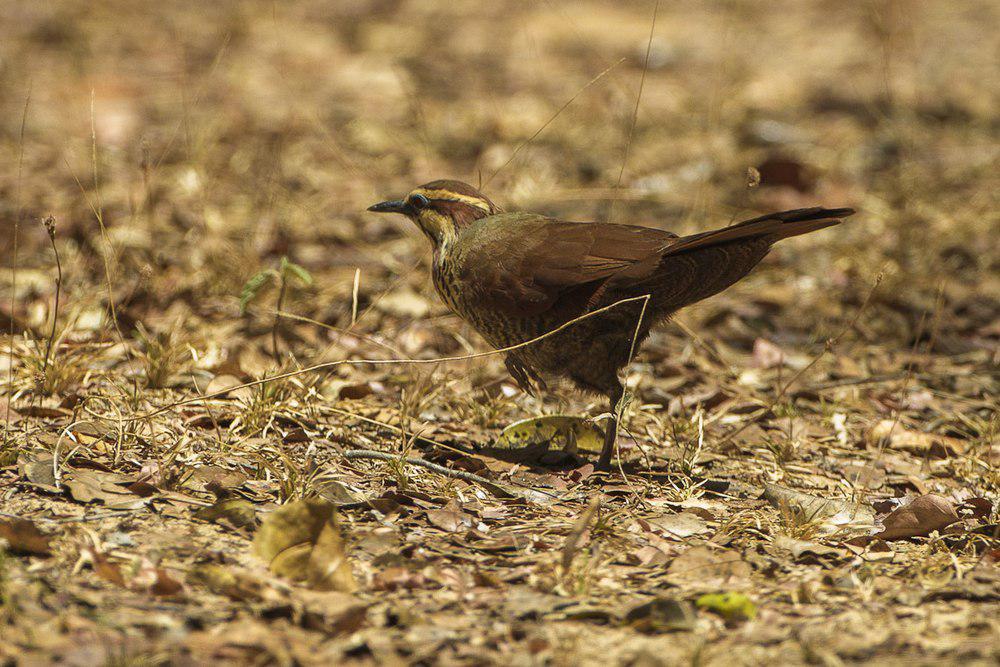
[
  {"x": 610, "y": 435},
  {"x": 619, "y": 399}
]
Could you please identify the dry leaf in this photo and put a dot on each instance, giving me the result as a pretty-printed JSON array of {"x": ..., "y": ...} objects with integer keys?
[
  {"x": 707, "y": 567},
  {"x": 36, "y": 468},
  {"x": 22, "y": 537},
  {"x": 896, "y": 436},
  {"x": 235, "y": 512},
  {"x": 568, "y": 432},
  {"x": 231, "y": 582},
  {"x": 680, "y": 525},
  {"x": 103, "y": 567},
  {"x": 831, "y": 514},
  {"x": 920, "y": 518},
  {"x": 302, "y": 541},
  {"x": 449, "y": 518}
]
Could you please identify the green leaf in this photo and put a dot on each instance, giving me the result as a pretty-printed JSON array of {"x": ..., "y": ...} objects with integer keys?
[
  {"x": 730, "y": 606},
  {"x": 290, "y": 268},
  {"x": 252, "y": 286}
]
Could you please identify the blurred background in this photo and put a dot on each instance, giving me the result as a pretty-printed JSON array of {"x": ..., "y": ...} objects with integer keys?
[{"x": 182, "y": 147}]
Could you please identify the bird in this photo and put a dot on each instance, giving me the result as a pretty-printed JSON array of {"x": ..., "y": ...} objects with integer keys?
[{"x": 516, "y": 276}]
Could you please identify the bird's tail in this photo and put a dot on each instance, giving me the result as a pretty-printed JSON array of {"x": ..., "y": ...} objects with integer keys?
[{"x": 773, "y": 226}]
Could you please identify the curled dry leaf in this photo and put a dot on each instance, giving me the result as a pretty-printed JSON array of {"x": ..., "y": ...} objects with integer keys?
[
  {"x": 22, "y": 537},
  {"x": 231, "y": 582},
  {"x": 302, "y": 541},
  {"x": 894, "y": 435},
  {"x": 662, "y": 614},
  {"x": 103, "y": 567},
  {"x": 156, "y": 581},
  {"x": 568, "y": 432},
  {"x": 832, "y": 514},
  {"x": 707, "y": 567},
  {"x": 919, "y": 518},
  {"x": 449, "y": 518},
  {"x": 36, "y": 467},
  {"x": 235, "y": 512},
  {"x": 678, "y": 526}
]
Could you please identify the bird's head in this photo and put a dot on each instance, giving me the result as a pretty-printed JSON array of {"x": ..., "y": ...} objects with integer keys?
[{"x": 440, "y": 208}]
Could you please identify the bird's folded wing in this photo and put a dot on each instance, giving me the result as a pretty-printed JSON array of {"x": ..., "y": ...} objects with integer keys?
[{"x": 525, "y": 265}]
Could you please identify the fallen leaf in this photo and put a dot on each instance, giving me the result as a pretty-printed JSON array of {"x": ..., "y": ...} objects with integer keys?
[
  {"x": 919, "y": 518},
  {"x": 731, "y": 606},
  {"x": 235, "y": 512},
  {"x": 831, "y": 514},
  {"x": 233, "y": 583},
  {"x": 662, "y": 614},
  {"x": 22, "y": 537},
  {"x": 302, "y": 541},
  {"x": 707, "y": 567},
  {"x": 568, "y": 432},
  {"x": 155, "y": 580},
  {"x": 103, "y": 567},
  {"x": 680, "y": 525},
  {"x": 448, "y": 518},
  {"x": 338, "y": 493},
  {"x": 87, "y": 486},
  {"x": 892, "y": 434},
  {"x": 36, "y": 467}
]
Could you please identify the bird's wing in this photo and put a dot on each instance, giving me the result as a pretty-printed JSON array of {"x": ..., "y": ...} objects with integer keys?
[{"x": 523, "y": 264}]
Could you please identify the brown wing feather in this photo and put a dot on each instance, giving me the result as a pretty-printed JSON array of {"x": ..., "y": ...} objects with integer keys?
[{"x": 522, "y": 264}]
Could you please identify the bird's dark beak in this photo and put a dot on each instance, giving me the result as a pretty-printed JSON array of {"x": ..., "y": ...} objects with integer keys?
[{"x": 391, "y": 206}]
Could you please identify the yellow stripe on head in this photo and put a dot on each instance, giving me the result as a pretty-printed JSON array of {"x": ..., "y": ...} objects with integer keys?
[{"x": 448, "y": 195}]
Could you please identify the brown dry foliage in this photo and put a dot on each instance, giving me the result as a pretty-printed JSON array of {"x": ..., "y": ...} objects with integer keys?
[{"x": 183, "y": 147}]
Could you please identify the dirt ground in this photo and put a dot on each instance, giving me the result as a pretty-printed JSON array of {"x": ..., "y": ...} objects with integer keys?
[{"x": 809, "y": 463}]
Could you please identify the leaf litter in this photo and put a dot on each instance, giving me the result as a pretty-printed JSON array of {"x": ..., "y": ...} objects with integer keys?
[{"x": 781, "y": 499}]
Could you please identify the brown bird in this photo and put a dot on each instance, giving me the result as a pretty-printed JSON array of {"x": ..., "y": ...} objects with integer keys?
[{"x": 517, "y": 276}]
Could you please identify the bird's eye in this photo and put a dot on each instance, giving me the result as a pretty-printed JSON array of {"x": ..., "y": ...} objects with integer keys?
[{"x": 419, "y": 201}]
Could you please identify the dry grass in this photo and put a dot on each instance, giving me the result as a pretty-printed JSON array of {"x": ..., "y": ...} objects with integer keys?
[{"x": 184, "y": 150}]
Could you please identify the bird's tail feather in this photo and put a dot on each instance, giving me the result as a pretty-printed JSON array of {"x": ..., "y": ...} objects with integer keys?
[{"x": 775, "y": 226}]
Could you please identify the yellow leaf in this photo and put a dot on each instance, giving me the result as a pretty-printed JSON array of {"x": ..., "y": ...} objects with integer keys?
[
  {"x": 302, "y": 541},
  {"x": 568, "y": 432}
]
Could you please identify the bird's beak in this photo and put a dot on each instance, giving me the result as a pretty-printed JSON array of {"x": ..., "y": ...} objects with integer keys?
[{"x": 391, "y": 206}]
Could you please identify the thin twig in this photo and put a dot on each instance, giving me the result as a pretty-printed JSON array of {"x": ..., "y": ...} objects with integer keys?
[
  {"x": 13, "y": 268},
  {"x": 283, "y": 287},
  {"x": 382, "y": 362},
  {"x": 571, "y": 546},
  {"x": 827, "y": 347},
  {"x": 635, "y": 114},
  {"x": 50, "y": 229},
  {"x": 494, "y": 488},
  {"x": 549, "y": 121}
]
